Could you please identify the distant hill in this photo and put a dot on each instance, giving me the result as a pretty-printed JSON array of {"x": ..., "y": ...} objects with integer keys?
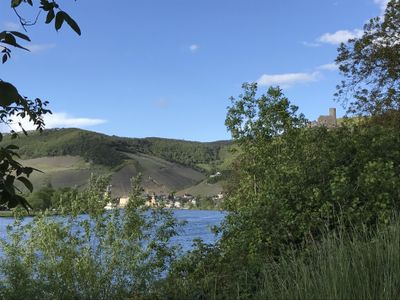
[{"x": 68, "y": 157}]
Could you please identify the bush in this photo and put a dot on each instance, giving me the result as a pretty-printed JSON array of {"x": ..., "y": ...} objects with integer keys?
[{"x": 101, "y": 255}]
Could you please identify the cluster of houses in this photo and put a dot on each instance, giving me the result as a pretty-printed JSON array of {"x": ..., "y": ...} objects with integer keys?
[{"x": 171, "y": 201}]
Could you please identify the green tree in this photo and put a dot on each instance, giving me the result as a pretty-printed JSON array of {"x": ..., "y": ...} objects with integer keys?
[
  {"x": 291, "y": 180},
  {"x": 256, "y": 124},
  {"x": 14, "y": 105},
  {"x": 371, "y": 66}
]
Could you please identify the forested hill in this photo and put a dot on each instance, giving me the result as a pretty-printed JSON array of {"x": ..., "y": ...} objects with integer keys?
[{"x": 111, "y": 151}]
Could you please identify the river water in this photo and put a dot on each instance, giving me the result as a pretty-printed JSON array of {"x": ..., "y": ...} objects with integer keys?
[{"x": 199, "y": 223}]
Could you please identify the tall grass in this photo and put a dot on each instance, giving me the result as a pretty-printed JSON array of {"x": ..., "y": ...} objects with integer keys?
[
  {"x": 357, "y": 265},
  {"x": 348, "y": 264}
]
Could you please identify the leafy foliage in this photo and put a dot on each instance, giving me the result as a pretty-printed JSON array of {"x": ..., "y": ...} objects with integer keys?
[
  {"x": 13, "y": 105},
  {"x": 290, "y": 186},
  {"x": 41, "y": 199},
  {"x": 103, "y": 255},
  {"x": 371, "y": 66}
]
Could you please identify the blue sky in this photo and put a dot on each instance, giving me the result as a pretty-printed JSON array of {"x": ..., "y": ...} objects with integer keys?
[{"x": 167, "y": 68}]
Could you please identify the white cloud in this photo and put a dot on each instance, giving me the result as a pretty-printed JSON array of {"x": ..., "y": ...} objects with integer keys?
[
  {"x": 340, "y": 36},
  {"x": 12, "y": 26},
  {"x": 311, "y": 44},
  {"x": 328, "y": 67},
  {"x": 193, "y": 48},
  {"x": 39, "y": 47},
  {"x": 55, "y": 120},
  {"x": 287, "y": 79},
  {"x": 63, "y": 119}
]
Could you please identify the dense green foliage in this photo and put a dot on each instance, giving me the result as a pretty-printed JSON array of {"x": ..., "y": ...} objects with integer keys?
[
  {"x": 184, "y": 152},
  {"x": 111, "y": 150},
  {"x": 41, "y": 199},
  {"x": 345, "y": 264},
  {"x": 49, "y": 198},
  {"x": 302, "y": 179},
  {"x": 101, "y": 255}
]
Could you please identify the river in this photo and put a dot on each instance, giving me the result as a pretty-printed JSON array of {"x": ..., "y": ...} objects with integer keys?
[{"x": 199, "y": 223}]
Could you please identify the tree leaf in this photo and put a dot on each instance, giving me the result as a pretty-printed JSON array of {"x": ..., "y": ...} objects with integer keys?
[
  {"x": 9, "y": 184},
  {"x": 71, "y": 22},
  {"x": 50, "y": 16},
  {"x": 12, "y": 202},
  {"x": 10, "y": 39},
  {"x": 4, "y": 59},
  {"x": 15, "y": 3},
  {"x": 21, "y": 35},
  {"x": 8, "y": 94},
  {"x": 59, "y": 20},
  {"x": 27, "y": 183}
]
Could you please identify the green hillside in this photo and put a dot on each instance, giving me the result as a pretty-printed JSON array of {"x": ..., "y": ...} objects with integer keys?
[
  {"x": 67, "y": 157},
  {"x": 109, "y": 150}
]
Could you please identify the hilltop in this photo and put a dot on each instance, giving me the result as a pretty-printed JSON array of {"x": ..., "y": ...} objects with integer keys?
[{"x": 67, "y": 157}]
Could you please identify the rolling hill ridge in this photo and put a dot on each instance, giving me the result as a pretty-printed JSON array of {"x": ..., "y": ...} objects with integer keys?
[{"x": 67, "y": 157}]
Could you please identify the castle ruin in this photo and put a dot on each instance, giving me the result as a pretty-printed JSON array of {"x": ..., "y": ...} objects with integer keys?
[{"x": 328, "y": 121}]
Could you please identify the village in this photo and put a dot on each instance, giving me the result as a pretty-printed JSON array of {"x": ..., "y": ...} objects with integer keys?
[{"x": 172, "y": 201}]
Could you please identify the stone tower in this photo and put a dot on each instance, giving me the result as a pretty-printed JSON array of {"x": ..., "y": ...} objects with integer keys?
[
  {"x": 332, "y": 114},
  {"x": 328, "y": 121}
]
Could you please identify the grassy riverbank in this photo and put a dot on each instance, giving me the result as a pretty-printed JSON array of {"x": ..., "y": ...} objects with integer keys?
[{"x": 360, "y": 264}]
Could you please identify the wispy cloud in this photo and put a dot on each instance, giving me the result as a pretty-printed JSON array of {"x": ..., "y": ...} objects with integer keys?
[
  {"x": 194, "y": 48},
  {"x": 12, "y": 26},
  {"x": 328, "y": 67},
  {"x": 161, "y": 103},
  {"x": 290, "y": 79},
  {"x": 65, "y": 120},
  {"x": 287, "y": 79},
  {"x": 39, "y": 47},
  {"x": 340, "y": 36},
  {"x": 335, "y": 38},
  {"x": 55, "y": 120},
  {"x": 311, "y": 44}
]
